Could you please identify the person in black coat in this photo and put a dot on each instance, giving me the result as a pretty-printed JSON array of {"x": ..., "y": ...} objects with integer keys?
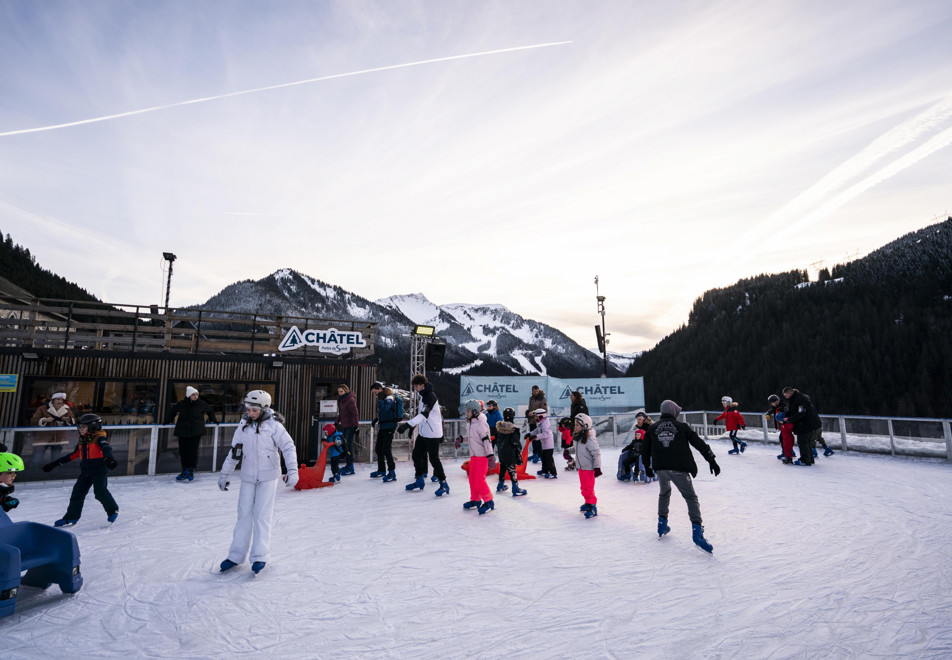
[
  {"x": 189, "y": 428},
  {"x": 806, "y": 423},
  {"x": 666, "y": 451},
  {"x": 509, "y": 448}
]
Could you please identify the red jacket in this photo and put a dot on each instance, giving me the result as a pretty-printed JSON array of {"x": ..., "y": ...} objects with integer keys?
[{"x": 734, "y": 420}]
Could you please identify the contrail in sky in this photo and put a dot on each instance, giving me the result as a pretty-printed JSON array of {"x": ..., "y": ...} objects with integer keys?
[{"x": 54, "y": 127}]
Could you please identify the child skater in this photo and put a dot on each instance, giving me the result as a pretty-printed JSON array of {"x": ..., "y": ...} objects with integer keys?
[
  {"x": 96, "y": 460},
  {"x": 510, "y": 452},
  {"x": 733, "y": 420},
  {"x": 565, "y": 428},
  {"x": 10, "y": 464},
  {"x": 335, "y": 442},
  {"x": 258, "y": 439},
  {"x": 543, "y": 433},
  {"x": 589, "y": 458},
  {"x": 629, "y": 461},
  {"x": 480, "y": 449}
]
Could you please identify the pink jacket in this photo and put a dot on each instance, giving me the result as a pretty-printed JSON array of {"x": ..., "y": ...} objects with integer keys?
[{"x": 478, "y": 436}]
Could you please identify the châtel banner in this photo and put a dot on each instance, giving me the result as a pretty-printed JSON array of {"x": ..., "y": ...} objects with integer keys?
[{"x": 603, "y": 395}]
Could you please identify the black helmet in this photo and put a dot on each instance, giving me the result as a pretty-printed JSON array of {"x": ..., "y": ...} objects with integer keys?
[
  {"x": 566, "y": 422},
  {"x": 773, "y": 398},
  {"x": 92, "y": 421},
  {"x": 509, "y": 415}
]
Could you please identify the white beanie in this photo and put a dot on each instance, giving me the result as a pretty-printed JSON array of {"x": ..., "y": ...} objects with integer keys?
[
  {"x": 189, "y": 391},
  {"x": 59, "y": 395}
]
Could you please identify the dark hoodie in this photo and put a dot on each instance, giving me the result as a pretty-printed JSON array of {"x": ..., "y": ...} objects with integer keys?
[
  {"x": 508, "y": 444},
  {"x": 668, "y": 444}
]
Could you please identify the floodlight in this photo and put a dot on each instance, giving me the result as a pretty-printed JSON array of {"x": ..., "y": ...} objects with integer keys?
[{"x": 424, "y": 330}]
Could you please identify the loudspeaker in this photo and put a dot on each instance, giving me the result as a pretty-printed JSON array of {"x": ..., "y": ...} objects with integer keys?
[{"x": 434, "y": 356}]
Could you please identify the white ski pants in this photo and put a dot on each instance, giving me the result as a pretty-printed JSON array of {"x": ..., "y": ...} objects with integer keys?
[{"x": 253, "y": 529}]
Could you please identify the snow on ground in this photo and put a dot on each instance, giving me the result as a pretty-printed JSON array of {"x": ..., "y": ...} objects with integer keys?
[{"x": 846, "y": 559}]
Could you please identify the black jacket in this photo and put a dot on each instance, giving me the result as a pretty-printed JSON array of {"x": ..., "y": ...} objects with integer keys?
[
  {"x": 802, "y": 414},
  {"x": 508, "y": 444},
  {"x": 667, "y": 446},
  {"x": 579, "y": 407},
  {"x": 191, "y": 417}
]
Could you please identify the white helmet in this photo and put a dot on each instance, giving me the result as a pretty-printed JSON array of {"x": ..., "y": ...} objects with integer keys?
[
  {"x": 539, "y": 412},
  {"x": 258, "y": 398},
  {"x": 726, "y": 400},
  {"x": 474, "y": 407},
  {"x": 584, "y": 420}
]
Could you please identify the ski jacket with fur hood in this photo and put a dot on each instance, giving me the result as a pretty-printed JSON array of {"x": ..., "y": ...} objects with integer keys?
[
  {"x": 508, "y": 444},
  {"x": 260, "y": 441}
]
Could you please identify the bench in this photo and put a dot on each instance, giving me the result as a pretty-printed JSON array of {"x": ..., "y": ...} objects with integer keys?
[{"x": 47, "y": 555}]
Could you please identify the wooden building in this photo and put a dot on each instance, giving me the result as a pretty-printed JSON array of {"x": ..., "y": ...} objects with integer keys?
[{"x": 129, "y": 364}]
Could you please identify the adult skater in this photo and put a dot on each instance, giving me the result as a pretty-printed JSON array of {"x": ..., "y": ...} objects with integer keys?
[
  {"x": 429, "y": 424},
  {"x": 389, "y": 414},
  {"x": 257, "y": 441},
  {"x": 189, "y": 429},
  {"x": 806, "y": 423},
  {"x": 668, "y": 443},
  {"x": 348, "y": 419}
]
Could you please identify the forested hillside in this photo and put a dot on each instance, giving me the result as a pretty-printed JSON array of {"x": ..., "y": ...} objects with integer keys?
[
  {"x": 872, "y": 337},
  {"x": 20, "y": 267}
]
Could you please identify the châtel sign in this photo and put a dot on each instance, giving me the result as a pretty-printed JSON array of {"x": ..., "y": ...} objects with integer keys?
[{"x": 331, "y": 340}]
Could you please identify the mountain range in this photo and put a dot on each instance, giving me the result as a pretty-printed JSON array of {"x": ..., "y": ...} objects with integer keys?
[{"x": 481, "y": 339}]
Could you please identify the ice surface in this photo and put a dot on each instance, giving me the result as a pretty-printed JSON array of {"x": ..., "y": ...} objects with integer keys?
[{"x": 846, "y": 559}]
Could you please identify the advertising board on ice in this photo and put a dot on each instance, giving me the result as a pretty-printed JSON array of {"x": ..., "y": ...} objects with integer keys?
[
  {"x": 602, "y": 394},
  {"x": 331, "y": 340}
]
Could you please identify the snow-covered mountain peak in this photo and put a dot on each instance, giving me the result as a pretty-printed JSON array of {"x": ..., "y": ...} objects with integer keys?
[{"x": 415, "y": 306}]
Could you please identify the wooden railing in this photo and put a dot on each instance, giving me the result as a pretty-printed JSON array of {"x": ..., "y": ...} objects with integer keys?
[{"x": 64, "y": 324}]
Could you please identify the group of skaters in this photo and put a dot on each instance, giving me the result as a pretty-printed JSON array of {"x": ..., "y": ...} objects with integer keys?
[{"x": 660, "y": 451}]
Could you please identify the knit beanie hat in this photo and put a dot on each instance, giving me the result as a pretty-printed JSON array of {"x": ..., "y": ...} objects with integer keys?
[
  {"x": 669, "y": 407},
  {"x": 189, "y": 391}
]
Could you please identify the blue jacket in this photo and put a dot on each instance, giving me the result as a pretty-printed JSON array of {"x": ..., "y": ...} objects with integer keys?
[
  {"x": 493, "y": 417},
  {"x": 335, "y": 449}
]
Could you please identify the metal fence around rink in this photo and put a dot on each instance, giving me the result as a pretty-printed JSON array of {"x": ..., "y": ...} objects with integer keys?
[{"x": 150, "y": 449}]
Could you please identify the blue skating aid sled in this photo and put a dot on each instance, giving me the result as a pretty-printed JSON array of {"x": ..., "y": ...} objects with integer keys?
[{"x": 47, "y": 555}]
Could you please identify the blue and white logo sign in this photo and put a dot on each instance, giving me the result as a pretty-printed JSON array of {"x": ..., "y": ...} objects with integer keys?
[{"x": 331, "y": 340}]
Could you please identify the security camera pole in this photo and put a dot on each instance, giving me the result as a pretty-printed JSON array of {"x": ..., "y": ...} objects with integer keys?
[
  {"x": 600, "y": 333},
  {"x": 168, "y": 287}
]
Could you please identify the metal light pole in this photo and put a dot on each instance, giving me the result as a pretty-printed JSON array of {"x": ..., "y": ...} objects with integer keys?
[
  {"x": 600, "y": 333},
  {"x": 168, "y": 287}
]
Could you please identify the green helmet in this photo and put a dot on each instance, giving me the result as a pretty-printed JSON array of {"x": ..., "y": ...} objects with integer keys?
[{"x": 11, "y": 463}]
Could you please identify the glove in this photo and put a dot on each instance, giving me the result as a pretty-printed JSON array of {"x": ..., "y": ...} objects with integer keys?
[
  {"x": 111, "y": 463},
  {"x": 598, "y": 472},
  {"x": 715, "y": 468},
  {"x": 403, "y": 428},
  {"x": 291, "y": 479},
  {"x": 566, "y": 455},
  {"x": 223, "y": 482},
  {"x": 44, "y": 421},
  {"x": 743, "y": 428},
  {"x": 459, "y": 442},
  {"x": 10, "y": 503},
  {"x": 649, "y": 473},
  {"x": 373, "y": 424},
  {"x": 49, "y": 466}
]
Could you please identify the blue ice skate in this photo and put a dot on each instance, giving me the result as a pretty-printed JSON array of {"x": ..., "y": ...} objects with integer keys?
[
  {"x": 183, "y": 476},
  {"x": 799, "y": 462},
  {"x": 827, "y": 451},
  {"x": 501, "y": 487},
  {"x": 376, "y": 474},
  {"x": 390, "y": 476},
  {"x": 585, "y": 507},
  {"x": 434, "y": 478},
  {"x": 472, "y": 504},
  {"x": 699, "y": 539},
  {"x": 65, "y": 522},
  {"x": 226, "y": 565},
  {"x": 663, "y": 526},
  {"x": 444, "y": 489},
  {"x": 486, "y": 506},
  {"x": 592, "y": 512},
  {"x": 419, "y": 483},
  {"x": 743, "y": 446},
  {"x": 112, "y": 516},
  {"x": 257, "y": 566},
  {"x": 733, "y": 451},
  {"x": 516, "y": 491}
]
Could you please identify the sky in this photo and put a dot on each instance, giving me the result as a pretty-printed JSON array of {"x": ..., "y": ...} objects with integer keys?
[{"x": 475, "y": 152}]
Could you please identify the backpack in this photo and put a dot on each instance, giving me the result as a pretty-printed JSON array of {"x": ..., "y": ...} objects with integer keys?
[{"x": 394, "y": 408}]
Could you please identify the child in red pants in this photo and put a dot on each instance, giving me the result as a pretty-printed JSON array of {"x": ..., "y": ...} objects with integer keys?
[
  {"x": 480, "y": 449},
  {"x": 589, "y": 459}
]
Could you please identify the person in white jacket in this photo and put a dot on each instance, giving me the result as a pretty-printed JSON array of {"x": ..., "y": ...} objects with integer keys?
[
  {"x": 543, "y": 433},
  {"x": 257, "y": 441},
  {"x": 480, "y": 449},
  {"x": 429, "y": 425}
]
